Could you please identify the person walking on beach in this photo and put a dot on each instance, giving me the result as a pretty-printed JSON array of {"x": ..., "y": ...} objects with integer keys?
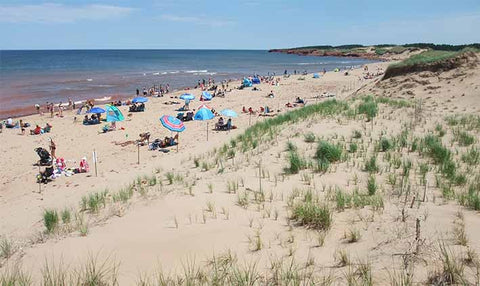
[
  {"x": 53, "y": 147},
  {"x": 22, "y": 127},
  {"x": 51, "y": 109}
]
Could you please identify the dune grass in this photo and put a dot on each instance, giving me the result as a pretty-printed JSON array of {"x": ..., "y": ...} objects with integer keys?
[
  {"x": 426, "y": 57},
  {"x": 50, "y": 220}
]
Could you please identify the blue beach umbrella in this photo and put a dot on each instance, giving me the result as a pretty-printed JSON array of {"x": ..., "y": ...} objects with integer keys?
[
  {"x": 187, "y": 96},
  {"x": 206, "y": 95},
  {"x": 96, "y": 110},
  {"x": 204, "y": 114},
  {"x": 140, "y": 99},
  {"x": 228, "y": 113}
]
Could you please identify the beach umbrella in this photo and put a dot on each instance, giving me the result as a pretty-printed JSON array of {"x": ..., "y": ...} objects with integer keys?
[
  {"x": 139, "y": 99},
  {"x": 207, "y": 95},
  {"x": 187, "y": 96},
  {"x": 96, "y": 110},
  {"x": 204, "y": 114},
  {"x": 228, "y": 113},
  {"x": 172, "y": 123}
]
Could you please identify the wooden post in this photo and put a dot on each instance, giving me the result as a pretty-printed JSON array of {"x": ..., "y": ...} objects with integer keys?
[
  {"x": 207, "y": 130},
  {"x": 425, "y": 191},
  {"x": 138, "y": 153},
  {"x": 178, "y": 141},
  {"x": 39, "y": 182},
  {"x": 95, "y": 160},
  {"x": 413, "y": 201},
  {"x": 260, "y": 173}
]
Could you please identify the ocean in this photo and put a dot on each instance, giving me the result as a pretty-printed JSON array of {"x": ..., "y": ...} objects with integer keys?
[{"x": 36, "y": 77}]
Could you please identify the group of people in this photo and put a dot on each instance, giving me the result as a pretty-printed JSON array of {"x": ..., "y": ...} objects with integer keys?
[
  {"x": 94, "y": 119},
  {"x": 137, "y": 107},
  {"x": 222, "y": 125}
]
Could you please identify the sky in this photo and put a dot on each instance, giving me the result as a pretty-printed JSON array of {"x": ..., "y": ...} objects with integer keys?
[{"x": 231, "y": 24}]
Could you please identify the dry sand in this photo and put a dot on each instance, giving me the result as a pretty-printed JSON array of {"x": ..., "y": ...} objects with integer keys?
[{"x": 197, "y": 217}]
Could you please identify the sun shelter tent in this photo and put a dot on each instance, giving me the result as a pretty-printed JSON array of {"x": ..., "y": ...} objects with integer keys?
[
  {"x": 113, "y": 113},
  {"x": 316, "y": 75},
  {"x": 247, "y": 82},
  {"x": 256, "y": 80}
]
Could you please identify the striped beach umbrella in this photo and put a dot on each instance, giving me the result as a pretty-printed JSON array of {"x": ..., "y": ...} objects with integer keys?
[{"x": 172, "y": 123}]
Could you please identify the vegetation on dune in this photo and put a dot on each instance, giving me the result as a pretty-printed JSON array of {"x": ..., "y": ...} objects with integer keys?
[{"x": 431, "y": 60}]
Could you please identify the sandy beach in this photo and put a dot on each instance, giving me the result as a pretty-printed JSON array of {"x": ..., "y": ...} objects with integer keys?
[{"x": 187, "y": 205}]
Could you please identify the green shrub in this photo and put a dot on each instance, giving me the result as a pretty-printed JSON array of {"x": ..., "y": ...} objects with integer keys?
[
  {"x": 50, "y": 219},
  {"x": 371, "y": 165},
  {"x": 357, "y": 134},
  {"x": 371, "y": 185},
  {"x": 353, "y": 147},
  {"x": 328, "y": 152},
  {"x": 385, "y": 145},
  {"x": 369, "y": 107},
  {"x": 463, "y": 138},
  {"x": 312, "y": 215},
  {"x": 309, "y": 137},
  {"x": 296, "y": 163}
]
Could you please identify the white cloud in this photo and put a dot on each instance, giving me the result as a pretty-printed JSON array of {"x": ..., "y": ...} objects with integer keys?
[
  {"x": 202, "y": 20},
  {"x": 58, "y": 13}
]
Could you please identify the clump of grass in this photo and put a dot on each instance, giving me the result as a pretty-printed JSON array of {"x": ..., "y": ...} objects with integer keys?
[
  {"x": 471, "y": 199},
  {"x": 66, "y": 216},
  {"x": 451, "y": 271},
  {"x": 170, "y": 177},
  {"x": 96, "y": 200},
  {"x": 312, "y": 215},
  {"x": 368, "y": 107},
  {"x": 342, "y": 258},
  {"x": 459, "y": 233},
  {"x": 6, "y": 248},
  {"x": 353, "y": 147},
  {"x": 353, "y": 235},
  {"x": 471, "y": 157},
  {"x": 123, "y": 195},
  {"x": 371, "y": 165},
  {"x": 357, "y": 134},
  {"x": 385, "y": 144},
  {"x": 309, "y": 137},
  {"x": 14, "y": 275},
  {"x": 463, "y": 138},
  {"x": 440, "y": 130},
  {"x": 296, "y": 163},
  {"x": 50, "y": 220},
  {"x": 243, "y": 200},
  {"x": 371, "y": 186},
  {"x": 327, "y": 153}
]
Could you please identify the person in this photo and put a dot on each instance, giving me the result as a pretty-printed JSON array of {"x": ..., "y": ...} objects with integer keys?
[
  {"x": 36, "y": 131},
  {"x": 228, "y": 126},
  {"x": 271, "y": 95},
  {"x": 60, "y": 109},
  {"x": 22, "y": 127},
  {"x": 1, "y": 126},
  {"x": 85, "y": 119},
  {"x": 37, "y": 107},
  {"x": 219, "y": 124},
  {"x": 9, "y": 123},
  {"x": 51, "y": 109},
  {"x": 138, "y": 92},
  {"x": 53, "y": 147},
  {"x": 299, "y": 100}
]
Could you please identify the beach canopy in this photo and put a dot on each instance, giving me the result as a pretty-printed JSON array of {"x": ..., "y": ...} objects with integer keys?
[
  {"x": 204, "y": 114},
  {"x": 172, "y": 123},
  {"x": 315, "y": 75},
  {"x": 247, "y": 82},
  {"x": 96, "y": 110},
  {"x": 228, "y": 113},
  {"x": 187, "y": 96},
  {"x": 139, "y": 99},
  {"x": 255, "y": 80},
  {"x": 204, "y": 106},
  {"x": 113, "y": 113},
  {"x": 206, "y": 95}
]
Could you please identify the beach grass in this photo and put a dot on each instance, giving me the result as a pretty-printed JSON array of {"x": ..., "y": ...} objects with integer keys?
[{"x": 50, "y": 220}]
